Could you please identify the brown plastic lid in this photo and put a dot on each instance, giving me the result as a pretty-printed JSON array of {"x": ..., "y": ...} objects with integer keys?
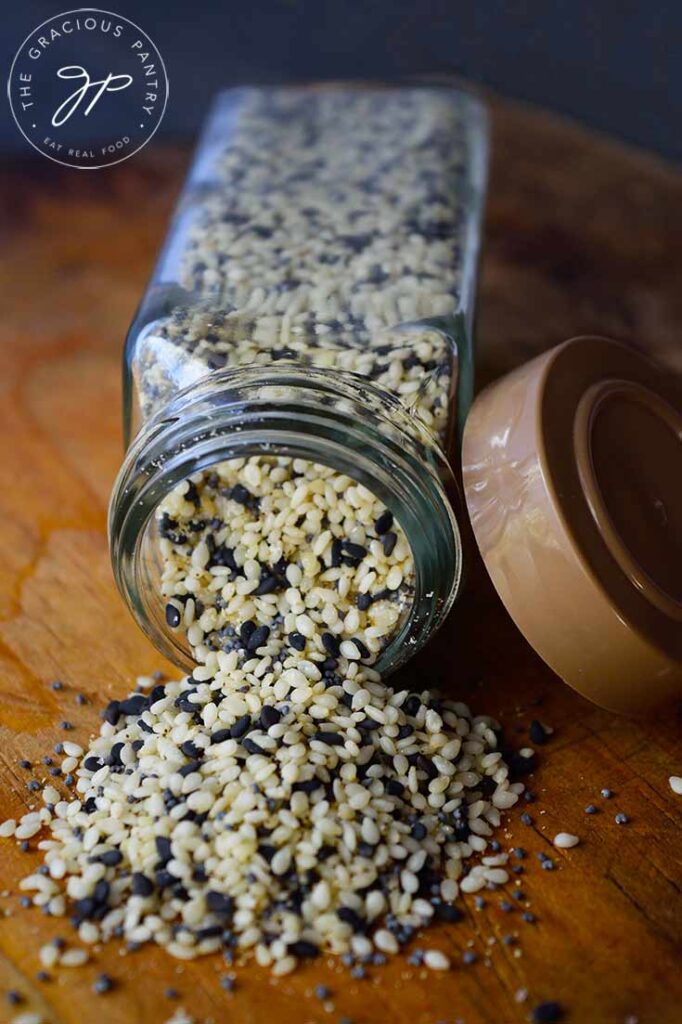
[{"x": 573, "y": 479}]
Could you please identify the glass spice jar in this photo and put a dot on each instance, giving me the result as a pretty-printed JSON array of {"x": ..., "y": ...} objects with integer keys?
[{"x": 314, "y": 301}]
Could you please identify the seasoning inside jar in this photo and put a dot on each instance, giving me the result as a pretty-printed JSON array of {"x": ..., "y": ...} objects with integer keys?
[{"x": 313, "y": 305}]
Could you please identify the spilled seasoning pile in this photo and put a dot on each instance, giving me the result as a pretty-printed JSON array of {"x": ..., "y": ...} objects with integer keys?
[
  {"x": 282, "y": 799},
  {"x": 282, "y": 813}
]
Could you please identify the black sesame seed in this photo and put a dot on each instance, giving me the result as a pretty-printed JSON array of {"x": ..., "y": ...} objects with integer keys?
[
  {"x": 112, "y": 713},
  {"x": 163, "y": 848},
  {"x": 547, "y": 1013},
  {"x": 104, "y": 983},
  {"x": 330, "y": 644},
  {"x": 191, "y": 750},
  {"x": 412, "y": 705},
  {"x": 384, "y": 523},
  {"x": 227, "y": 982},
  {"x": 26, "y": 765},
  {"x": 14, "y": 997},
  {"x": 364, "y": 653},
  {"x": 134, "y": 705},
  {"x": 173, "y": 616},
  {"x": 367, "y": 724},
  {"x": 258, "y": 638},
  {"x": 607, "y": 793},
  {"x": 246, "y": 630},
  {"x": 83, "y": 910},
  {"x": 363, "y": 601},
  {"x": 353, "y": 553},
  {"x": 389, "y": 542},
  {"x": 240, "y": 727},
  {"x": 446, "y": 912},
  {"x": 219, "y": 903},
  {"x": 332, "y": 739},
  {"x": 171, "y": 993},
  {"x": 111, "y": 858},
  {"x": 308, "y": 786},
  {"x": 57, "y": 685},
  {"x": 622, "y": 819},
  {"x": 267, "y": 585},
  {"x": 141, "y": 885},
  {"x": 221, "y": 735},
  {"x": 351, "y": 917},
  {"x": 469, "y": 957},
  {"x": 526, "y": 819},
  {"x": 303, "y": 949},
  {"x": 322, "y": 992},
  {"x": 297, "y": 641},
  {"x": 537, "y": 732},
  {"x": 66, "y": 726},
  {"x": 591, "y": 809},
  {"x": 101, "y": 891},
  {"x": 240, "y": 494},
  {"x": 92, "y": 764},
  {"x": 269, "y": 716}
]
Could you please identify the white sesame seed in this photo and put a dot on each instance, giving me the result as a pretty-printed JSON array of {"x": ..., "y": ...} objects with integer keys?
[
  {"x": 385, "y": 941},
  {"x": 564, "y": 840},
  {"x": 436, "y": 961},
  {"x": 74, "y": 958}
]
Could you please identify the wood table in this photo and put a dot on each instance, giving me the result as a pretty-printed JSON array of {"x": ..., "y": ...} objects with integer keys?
[{"x": 583, "y": 235}]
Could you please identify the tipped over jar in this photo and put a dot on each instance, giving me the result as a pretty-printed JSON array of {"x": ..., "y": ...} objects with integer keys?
[{"x": 295, "y": 378}]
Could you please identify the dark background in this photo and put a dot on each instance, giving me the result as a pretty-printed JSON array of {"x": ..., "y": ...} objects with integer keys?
[{"x": 614, "y": 64}]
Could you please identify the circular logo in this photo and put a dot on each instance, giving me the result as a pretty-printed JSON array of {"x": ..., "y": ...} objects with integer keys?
[{"x": 88, "y": 88}]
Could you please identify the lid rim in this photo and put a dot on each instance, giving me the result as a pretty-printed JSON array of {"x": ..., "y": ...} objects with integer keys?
[{"x": 541, "y": 542}]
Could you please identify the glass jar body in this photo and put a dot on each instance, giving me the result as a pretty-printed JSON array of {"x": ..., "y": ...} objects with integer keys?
[{"x": 314, "y": 299}]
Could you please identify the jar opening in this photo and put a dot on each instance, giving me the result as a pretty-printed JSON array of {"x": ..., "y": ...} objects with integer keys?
[{"x": 235, "y": 426}]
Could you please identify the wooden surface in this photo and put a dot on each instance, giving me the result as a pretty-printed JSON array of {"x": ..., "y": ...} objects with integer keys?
[{"x": 583, "y": 236}]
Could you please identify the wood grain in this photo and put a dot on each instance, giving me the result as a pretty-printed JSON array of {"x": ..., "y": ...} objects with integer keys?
[{"x": 583, "y": 235}]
